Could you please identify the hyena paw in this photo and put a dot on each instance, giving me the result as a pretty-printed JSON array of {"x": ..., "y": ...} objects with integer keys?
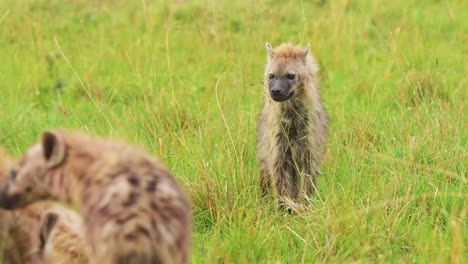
[{"x": 288, "y": 205}]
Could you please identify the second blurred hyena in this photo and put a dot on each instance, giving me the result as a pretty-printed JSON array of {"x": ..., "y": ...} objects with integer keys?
[
  {"x": 29, "y": 239},
  {"x": 292, "y": 126},
  {"x": 19, "y": 229}
]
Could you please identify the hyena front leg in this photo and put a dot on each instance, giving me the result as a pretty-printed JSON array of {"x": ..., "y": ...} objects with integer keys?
[
  {"x": 264, "y": 178},
  {"x": 288, "y": 187}
]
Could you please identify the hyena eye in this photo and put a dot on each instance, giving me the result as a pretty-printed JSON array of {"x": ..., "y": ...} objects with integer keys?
[
  {"x": 291, "y": 76},
  {"x": 13, "y": 174},
  {"x": 271, "y": 76}
]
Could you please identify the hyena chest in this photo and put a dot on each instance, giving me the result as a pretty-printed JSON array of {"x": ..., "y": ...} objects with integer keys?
[{"x": 293, "y": 142}]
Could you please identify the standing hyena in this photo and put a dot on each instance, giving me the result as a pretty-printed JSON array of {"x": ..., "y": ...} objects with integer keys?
[
  {"x": 133, "y": 210},
  {"x": 292, "y": 126}
]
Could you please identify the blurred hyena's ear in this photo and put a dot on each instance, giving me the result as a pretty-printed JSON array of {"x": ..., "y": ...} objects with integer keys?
[
  {"x": 269, "y": 48},
  {"x": 306, "y": 49},
  {"x": 306, "y": 52},
  {"x": 47, "y": 223},
  {"x": 53, "y": 146}
]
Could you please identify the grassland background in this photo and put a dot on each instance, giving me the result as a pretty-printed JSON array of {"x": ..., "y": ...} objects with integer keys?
[{"x": 183, "y": 79}]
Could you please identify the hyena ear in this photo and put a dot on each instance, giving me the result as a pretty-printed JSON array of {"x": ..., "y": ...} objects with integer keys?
[
  {"x": 53, "y": 146},
  {"x": 269, "y": 48},
  {"x": 306, "y": 49},
  {"x": 47, "y": 223},
  {"x": 306, "y": 52}
]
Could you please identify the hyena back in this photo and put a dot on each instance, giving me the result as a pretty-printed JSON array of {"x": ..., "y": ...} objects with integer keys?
[
  {"x": 292, "y": 125},
  {"x": 133, "y": 210}
]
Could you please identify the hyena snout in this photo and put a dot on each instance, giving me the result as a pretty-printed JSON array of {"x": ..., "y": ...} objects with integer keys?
[
  {"x": 276, "y": 91},
  {"x": 9, "y": 198},
  {"x": 8, "y": 201},
  {"x": 280, "y": 90}
]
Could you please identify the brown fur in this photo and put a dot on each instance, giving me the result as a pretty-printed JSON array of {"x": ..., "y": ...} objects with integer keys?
[
  {"x": 133, "y": 209},
  {"x": 292, "y": 133}
]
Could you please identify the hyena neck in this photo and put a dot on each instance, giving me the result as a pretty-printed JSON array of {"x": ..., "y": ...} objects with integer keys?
[
  {"x": 67, "y": 182},
  {"x": 294, "y": 118},
  {"x": 58, "y": 186}
]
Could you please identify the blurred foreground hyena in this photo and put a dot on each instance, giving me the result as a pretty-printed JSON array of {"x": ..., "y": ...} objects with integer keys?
[
  {"x": 23, "y": 231},
  {"x": 133, "y": 210},
  {"x": 292, "y": 126}
]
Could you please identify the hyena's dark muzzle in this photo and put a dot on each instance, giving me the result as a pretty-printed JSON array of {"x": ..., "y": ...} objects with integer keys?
[
  {"x": 280, "y": 89},
  {"x": 8, "y": 201}
]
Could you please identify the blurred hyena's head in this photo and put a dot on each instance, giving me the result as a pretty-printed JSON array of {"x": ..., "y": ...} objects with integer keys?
[
  {"x": 26, "y": 182},
  {"x": 289, "y": 67}
]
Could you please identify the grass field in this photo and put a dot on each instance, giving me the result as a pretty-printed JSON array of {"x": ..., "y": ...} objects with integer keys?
[{"x": 183, "y": 79}]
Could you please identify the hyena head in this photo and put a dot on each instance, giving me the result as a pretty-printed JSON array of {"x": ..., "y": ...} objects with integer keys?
[
  {"x": 287, "y": 70},
  {"x": 25, "y": 183}
]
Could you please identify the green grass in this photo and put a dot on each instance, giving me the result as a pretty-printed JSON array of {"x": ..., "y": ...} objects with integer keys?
[{"x": 184, "y": 80}]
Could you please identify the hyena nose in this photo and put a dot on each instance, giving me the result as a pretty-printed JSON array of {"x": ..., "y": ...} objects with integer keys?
[{"x": 275, "y": 91}]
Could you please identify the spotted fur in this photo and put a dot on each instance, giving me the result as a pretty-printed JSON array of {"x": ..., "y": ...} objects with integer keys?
[
  {"x": 133, "y": 210},
  {"x": 292, "y": 126}
]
